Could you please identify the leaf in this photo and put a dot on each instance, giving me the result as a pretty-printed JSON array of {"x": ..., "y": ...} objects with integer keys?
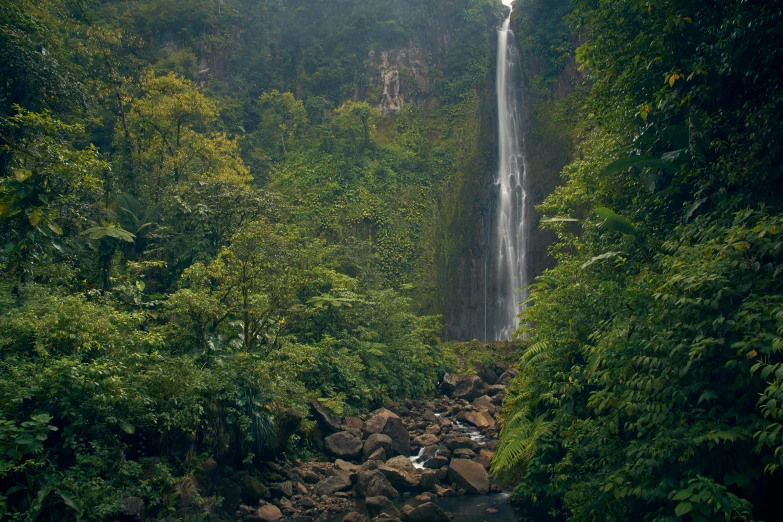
[
  {"x": 683, "y": 508},
  {"x": 128, "y": 428},
  {"x": 34, "y": 215},
  {"x": 70, "y": 501},
  {"x": 607, "y": 255},
  {"x": 22, "y": 175},
  {"x": 560, "y": 220},
  {"x": 109, "y": 231},
  {"x": 614, "y": 222},
  {"x": 54, "y": 227},
  {"x": 690, "y": 209},
  {"x": 637, "y": 162}
]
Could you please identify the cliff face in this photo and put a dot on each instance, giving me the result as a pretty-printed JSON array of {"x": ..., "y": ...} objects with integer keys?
[{"x": 468, "y": 284}]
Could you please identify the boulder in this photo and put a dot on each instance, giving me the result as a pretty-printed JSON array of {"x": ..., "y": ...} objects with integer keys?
[
  {"x": 342, "y": 465},
  {"x": 333, "y": 484},
  {"x": 268, "y": 513},
  {"x": 507, "y": 376},
  {"x": 401, "y": 473},
  {"x": 464, "y": 453},
  {"x": 428, "y": 439},
  {"x": 375, "y": 442},
  {"x": 354, "y": 423},
  {"x": 252, "y": 489},
  {"x": 485, "y": 458},
  {"x": 343, "y": 444},
  {"x": 377, "y": 422},
  {"x": 455, "y": 441},
  {"x": 469, "y": 475},
  {"x": 378, "y": 455},
  {"x": 372, "y": 483},
  {"x": 401, "y": 439},
  {"x": 377, "y": 505},
  {"x": 231, "y": 493},
  {"x": 469, "y": 387},
  {"x": 354, "y": 517},
  {"x": 326, "y": 421},
  {"x": 428, "y": 512},
  {"x": 486, "y": 372},
  {"x": 436, "y": 462},
  {"x": 448, "y": 384},
  {"x": 485, "y": 403},
  {"x": 283, "y": 489},
  {"x": 495, "y": 389},
  {"x": 479, "y": 419},
  {"x": 429, "y": 478}
]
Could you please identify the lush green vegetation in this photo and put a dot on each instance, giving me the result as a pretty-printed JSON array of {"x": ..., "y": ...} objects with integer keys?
[
  {"x": 205, "y": 224},
  {"x": 651, "y": 389}
]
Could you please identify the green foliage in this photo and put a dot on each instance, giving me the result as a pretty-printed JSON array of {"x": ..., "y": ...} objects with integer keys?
[{"x": 650, "y": 390}]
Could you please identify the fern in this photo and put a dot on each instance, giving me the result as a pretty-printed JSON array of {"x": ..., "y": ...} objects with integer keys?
[
  {"x": 538, "y": 353},
  {"x": 519, "y": 444}
]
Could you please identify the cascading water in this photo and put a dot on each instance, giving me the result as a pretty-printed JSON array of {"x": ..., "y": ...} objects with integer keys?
[{"x": 510, "y": 211}]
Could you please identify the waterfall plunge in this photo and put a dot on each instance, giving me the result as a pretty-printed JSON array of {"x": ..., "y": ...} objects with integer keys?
[{"x": 510, "y": 211}]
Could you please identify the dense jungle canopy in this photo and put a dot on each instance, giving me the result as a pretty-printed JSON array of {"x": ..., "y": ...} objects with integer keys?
[{"x": 215, "y": 214}]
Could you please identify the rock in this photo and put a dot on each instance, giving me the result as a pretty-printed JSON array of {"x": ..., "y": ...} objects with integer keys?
[
  {"x": 311, "y": 477},
  {"x": 380, "y": 504},
  {"x": 448, "y": 384},
  {"x": 428, "y": 512},
  {"x": 485, "y": 458},
  {"x": 455, "y": 441},
  {"x": 479, "y": 419},
  {"x": 436, "y": 462},
  {"x": 507, "y": 376},
  {"x": 498, "y": 399},
  {"x": 343, "y": 444},
  {"x": 301, "y": 488},
  {"x": 374, "y": 442},
  {"x": 428, "y": 479},
  {"x": 400, "y": 480},
  {"x": 401, "y": 439},
  {"x": 354, "y": 517},
  {"x": 268, "y": 513},
  {"x": 372, "y": 483},
  {"x": 231, "y": 493},
  {"x": 469, "y": 387},
  {"x": 435, "y": 429},
  {"x": 464, "y": 453},
  {"x": 378, "y": 455},
  {"x": 492, "y": 511},
  {"x": 134, "y": 507},
  {"x": 424, "y": 497},
  {"x": 345, "y": 466},
  {"x": 495, "y": 389},
  {"x": 283, "y": 489},
  {"x": 307, "y": 502},
  {"x": 251, "y": 488},
  {"x": 469, "y": 475},
  {"x": 485, "y": 403},
  {"x": 187, "y": 493},
  {"x": 406, "y": 510},
  {"x": 354, "y": 423},
  {"x": 377, "y": 422},
  {"x": 327, "y": 422},
  {"x": 428, "y": 439},
  {"x": 444, "y": 492},
  {"x": 332, "y": 485},
  {"x": 486, "y": 373},
  {"x": 402, "y": 464}
]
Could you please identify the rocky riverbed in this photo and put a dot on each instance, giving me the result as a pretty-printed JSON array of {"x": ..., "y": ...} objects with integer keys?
[{"x": 395, "y": 463}]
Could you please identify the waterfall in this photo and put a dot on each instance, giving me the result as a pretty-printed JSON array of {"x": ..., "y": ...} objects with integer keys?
[{"x": 510, "y": 212}]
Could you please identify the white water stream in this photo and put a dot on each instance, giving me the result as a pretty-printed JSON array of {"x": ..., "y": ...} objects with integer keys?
[{"x": 511, "y": 232}]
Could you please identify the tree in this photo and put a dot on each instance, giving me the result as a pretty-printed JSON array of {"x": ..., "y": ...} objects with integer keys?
[{"x": 282, "y": 117}]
